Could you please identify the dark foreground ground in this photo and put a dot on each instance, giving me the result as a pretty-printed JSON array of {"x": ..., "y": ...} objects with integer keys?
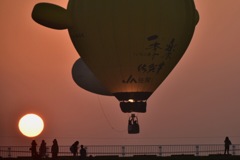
[{"x": 175, "y": 157}]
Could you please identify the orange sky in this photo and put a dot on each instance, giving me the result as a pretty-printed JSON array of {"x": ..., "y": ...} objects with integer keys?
[{"x": 198, "y": 102}]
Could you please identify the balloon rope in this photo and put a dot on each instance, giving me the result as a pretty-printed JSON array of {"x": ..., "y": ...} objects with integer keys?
[{"x": 108, "y": 121}]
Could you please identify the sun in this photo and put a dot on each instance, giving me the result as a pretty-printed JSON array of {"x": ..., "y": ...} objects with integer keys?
[{"x": 31, "y": 125}]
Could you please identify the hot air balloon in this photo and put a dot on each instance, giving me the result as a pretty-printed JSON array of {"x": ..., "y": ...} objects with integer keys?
[{"x": 130, "y": 46}]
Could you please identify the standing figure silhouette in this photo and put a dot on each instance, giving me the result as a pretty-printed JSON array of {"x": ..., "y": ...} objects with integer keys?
[
  {"x": 227, "y": 143},
  {"x": 54, "y": 149}
]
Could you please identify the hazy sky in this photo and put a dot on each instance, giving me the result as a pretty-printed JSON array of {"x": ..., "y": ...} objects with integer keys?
[{"x": 198, "y": 103}]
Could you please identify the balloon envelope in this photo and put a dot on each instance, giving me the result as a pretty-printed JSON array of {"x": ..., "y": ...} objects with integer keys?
[
  {"x": 85, "y": 79},
  {"x": 132, "y": 46}
]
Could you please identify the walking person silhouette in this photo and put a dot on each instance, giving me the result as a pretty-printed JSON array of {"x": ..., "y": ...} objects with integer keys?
[{"x": 74, "y": 148}]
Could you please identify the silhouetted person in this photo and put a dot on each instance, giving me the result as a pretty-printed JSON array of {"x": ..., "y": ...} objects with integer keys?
[
  {"x": 83, "y": 153},
  {"x": 132, "y": 120},
  {"x": 54, "y": 149},
  {"x": 34, "y": 149},
  {"x": 227, "y": 143},
  {"x": 43, "y": 149},
  {"x": 133, "y": 126},
  {"x": 74, "y": 148}
]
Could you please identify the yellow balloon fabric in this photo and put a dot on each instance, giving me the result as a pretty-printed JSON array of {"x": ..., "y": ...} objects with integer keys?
[{"x": 132, "y": 45}]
